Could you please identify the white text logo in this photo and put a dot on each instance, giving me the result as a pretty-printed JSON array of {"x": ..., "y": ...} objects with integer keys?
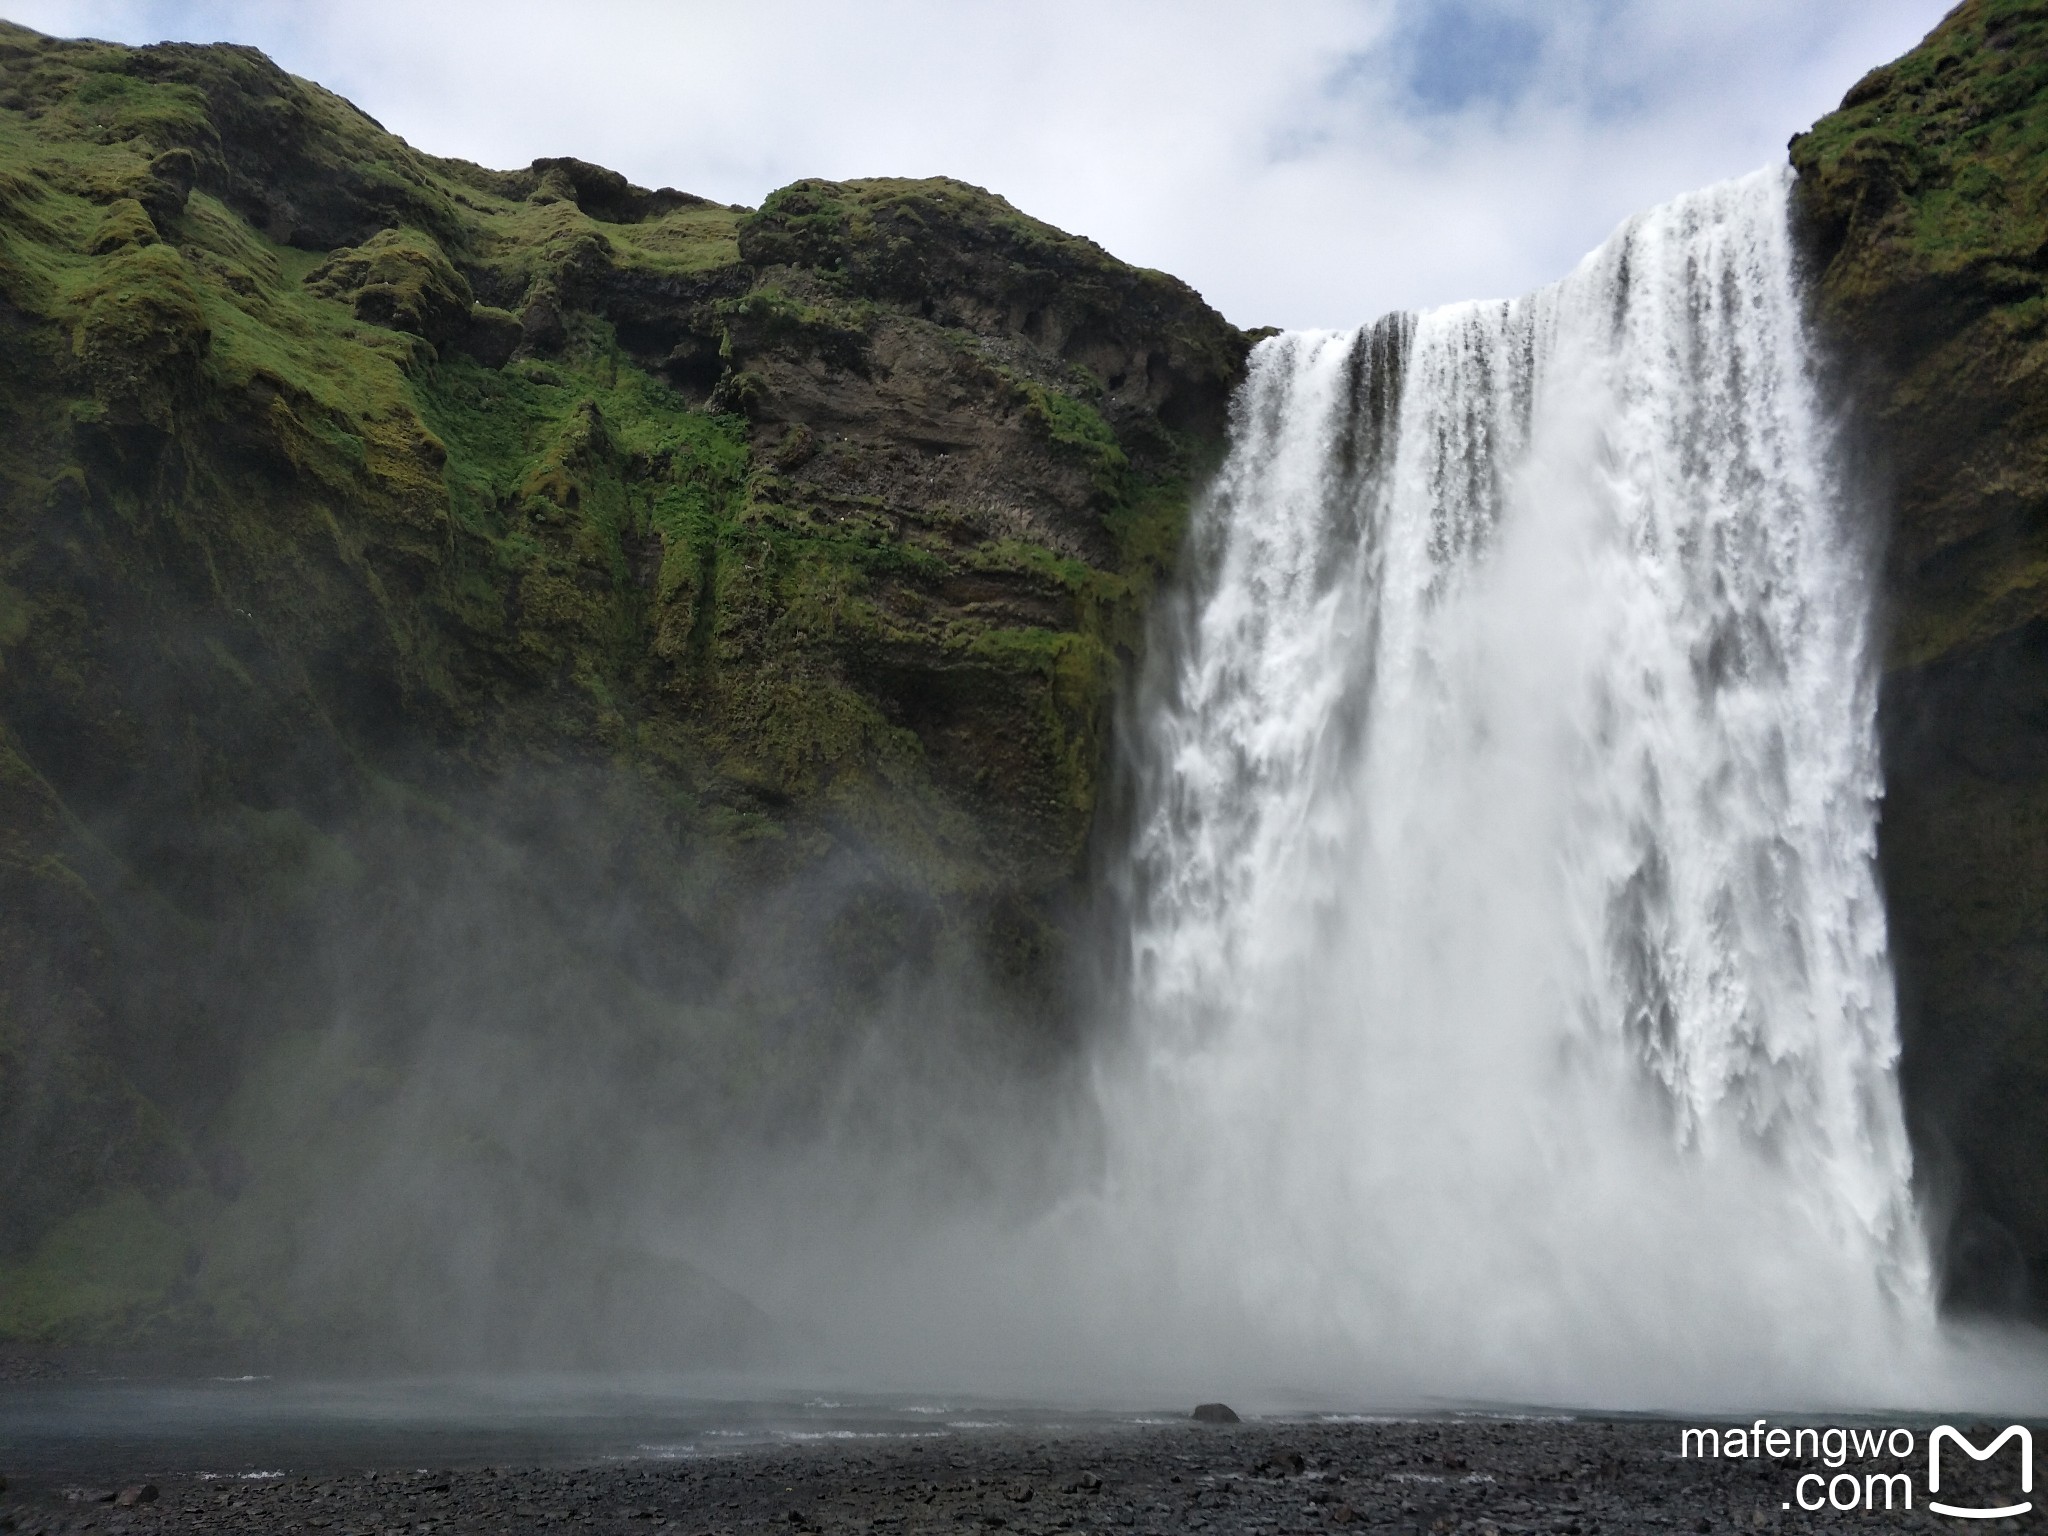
[{"x": 1948, "y": 1432}]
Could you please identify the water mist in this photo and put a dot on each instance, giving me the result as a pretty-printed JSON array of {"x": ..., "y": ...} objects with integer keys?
[{"x": 1509, "y": 1014}]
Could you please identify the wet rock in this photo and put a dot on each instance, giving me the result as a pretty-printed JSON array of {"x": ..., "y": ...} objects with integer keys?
[
  {"x": 139, "y": 1493},
  {"x": 1160, "y": 1477},
  {"x": 697, "y": 362},
  {"x": 1214, "y": 1413}
]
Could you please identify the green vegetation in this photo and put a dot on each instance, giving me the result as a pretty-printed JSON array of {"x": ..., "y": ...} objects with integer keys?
[
  {"x": 685, "y": 585},
  {"x": 103, "y": 1274},
  {"x": 1926, "y": 197},
  {"x": 1923, "y": 205}
]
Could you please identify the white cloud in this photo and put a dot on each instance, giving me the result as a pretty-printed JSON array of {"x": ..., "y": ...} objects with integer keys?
[{"x": 1294, "y": 162}]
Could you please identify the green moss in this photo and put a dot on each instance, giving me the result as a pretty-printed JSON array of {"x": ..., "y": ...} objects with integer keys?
[
  {"x": 141, "y": 330},
  {"x": 16, "y": 614},
  {"x": 125, "y": 223},
  {"x": 1077, "y": 427},
  {"x": 109, "y": 106},
  {"x": 398, "y": 278},
  {"x": 693, "y": 240},
  {"x": 835, "y": 332},
  {"x": 1947, "y": 148},
  {"x": 1923, "y": 206},
  {"x": 98, "y": 1276},
  {"x": 1926, "y": 198},
  {"x": 881, "y": 232},
  {"x": 284, "y": 557}
]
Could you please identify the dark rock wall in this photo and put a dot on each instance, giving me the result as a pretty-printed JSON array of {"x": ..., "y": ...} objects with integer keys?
[{"x": 1924, "y": 208}]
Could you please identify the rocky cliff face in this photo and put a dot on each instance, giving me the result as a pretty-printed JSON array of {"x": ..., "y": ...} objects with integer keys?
[
  {"x": 663, "y": 634},
  {"x": 1925, "y": 210},
  {"x": 501, "y": 671}
]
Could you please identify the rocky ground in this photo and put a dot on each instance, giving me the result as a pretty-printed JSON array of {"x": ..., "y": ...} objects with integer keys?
[{"x": 1445, "y": 1475}]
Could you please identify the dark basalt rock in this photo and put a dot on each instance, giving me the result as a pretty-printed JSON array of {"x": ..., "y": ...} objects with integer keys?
[
  {"x": 1555, "y": 1476},
  {"x": 1920, "y": 207},
  {"x": 540, "y": 323},
  {"x": 493, "y": 335},
  {"x": 606, "y": 195},
  {"x": 1213, "y": 1413}
]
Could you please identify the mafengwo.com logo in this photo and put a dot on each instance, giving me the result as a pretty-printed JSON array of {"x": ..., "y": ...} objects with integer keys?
[{"x": 1874, "y": 1469}]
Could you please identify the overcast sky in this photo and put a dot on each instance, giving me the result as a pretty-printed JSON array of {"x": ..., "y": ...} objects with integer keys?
[{"x": 1301, "y": 162}]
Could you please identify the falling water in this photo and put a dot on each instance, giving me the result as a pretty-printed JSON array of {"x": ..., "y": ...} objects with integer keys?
[{"x": 1512, "y": 1013}]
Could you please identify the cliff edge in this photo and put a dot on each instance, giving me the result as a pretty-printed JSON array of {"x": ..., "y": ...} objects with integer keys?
[{"x": 1923, "y": 203}]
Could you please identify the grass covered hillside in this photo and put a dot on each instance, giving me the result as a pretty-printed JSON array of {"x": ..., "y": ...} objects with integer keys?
[
  {"x": 1925, "y": 210},
  {"x": 499, "y": 666}
]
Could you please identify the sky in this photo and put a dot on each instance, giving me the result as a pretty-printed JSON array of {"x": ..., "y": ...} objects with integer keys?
[{"x": 1300, "y": 162}]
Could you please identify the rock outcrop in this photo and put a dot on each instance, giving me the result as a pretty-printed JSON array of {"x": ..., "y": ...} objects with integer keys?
[{"x": 1924, "y": 205}]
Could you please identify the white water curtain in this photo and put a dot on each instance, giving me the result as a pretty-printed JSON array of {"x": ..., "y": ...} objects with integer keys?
[{"x": 1512, "y": 1010}]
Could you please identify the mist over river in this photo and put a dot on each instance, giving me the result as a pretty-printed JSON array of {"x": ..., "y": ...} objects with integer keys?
[{"x": 1506, "y": 1012}]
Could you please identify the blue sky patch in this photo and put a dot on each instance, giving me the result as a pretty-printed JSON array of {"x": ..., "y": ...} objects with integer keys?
[{"x": 1456, "y": 54}]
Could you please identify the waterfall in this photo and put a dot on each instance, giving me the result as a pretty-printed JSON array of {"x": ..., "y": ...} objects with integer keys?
[{"x": 1510, "y": 1007}]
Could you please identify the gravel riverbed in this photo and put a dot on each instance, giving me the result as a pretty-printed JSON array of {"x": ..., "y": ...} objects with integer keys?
[{"x": 1465, "y": 1474}]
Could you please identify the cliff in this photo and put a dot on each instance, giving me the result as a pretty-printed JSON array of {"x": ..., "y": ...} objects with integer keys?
[
  {"x": 1924, "y": 211},
  {"x": 510, "y": 679},
  {"x": 669, "y": 638}
]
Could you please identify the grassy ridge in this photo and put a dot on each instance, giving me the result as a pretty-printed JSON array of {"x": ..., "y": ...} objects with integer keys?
[{"x": 385, "y": 540}]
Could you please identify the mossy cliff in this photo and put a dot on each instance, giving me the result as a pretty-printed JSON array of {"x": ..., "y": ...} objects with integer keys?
[
  {"x": 1924, "y": 209},
  {"x": 428, "y": 589}
]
